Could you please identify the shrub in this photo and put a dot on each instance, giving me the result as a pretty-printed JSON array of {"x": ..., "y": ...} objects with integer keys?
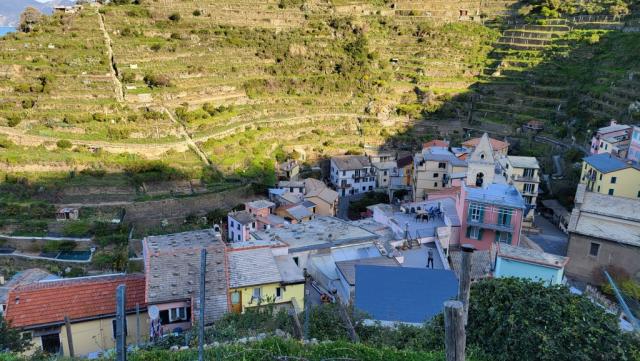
[
  {"x": 175, "y": 17},
  {"x": 64, "y": 144},
  {"x": 156, "y": 47},
  {"x": 13, "y": 121},
  {"x": 197, "y": 12},
  {"x": 157, "y": 80}
]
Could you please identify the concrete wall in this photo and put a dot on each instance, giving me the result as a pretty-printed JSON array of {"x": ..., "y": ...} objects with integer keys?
[
  {"x": 588, "y": 268},
  {"x": 506, "y": 267},
  {"x": 150, "y": 214}
]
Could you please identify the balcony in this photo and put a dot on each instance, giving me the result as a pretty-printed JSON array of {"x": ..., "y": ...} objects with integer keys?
[
  {"x": 492, "y": 226},
  {"x": 522, "y": 178}
]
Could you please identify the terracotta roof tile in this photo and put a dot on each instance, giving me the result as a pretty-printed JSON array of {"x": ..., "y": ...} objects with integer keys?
[
  {"x": 86, "y": 297},
  {"x": 496, "y": 144}
]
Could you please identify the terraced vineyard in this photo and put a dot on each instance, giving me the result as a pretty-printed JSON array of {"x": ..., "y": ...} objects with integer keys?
[{"x": 237, "y": 83}]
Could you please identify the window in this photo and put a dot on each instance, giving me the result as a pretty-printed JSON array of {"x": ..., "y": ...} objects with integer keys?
[
  {"x": 479, "y": 179},
  {"x": 257, "y": 294},
  {"x": 278, "y": 293},
  {"x": 442, "y": 165},
  {"x": 344, "y": 172},
  {"x": 474, "y": 232},
  {"x": 481, "y": 155},
  {"x": 529, "y": 188},
  {"x": 475, "y": 212},
  {"x": 235, "y": 298},
  {"x": 598, "y": 188},
  {"x": 435, "y": 184},
  {"x": 638, "y": 194},
  {"x": 370, "y": 188},
  {"x": 600, "y": 176},
  {"x": 529, "y": 173},
  {"x": 178, "y": 314},
  {"x": 357, "y": 172},
  {"x": 291, "y": 189},
  {"x": 528, "y": 199},
  {"x": 606, "y": 146},
  {"x": 239, "y": 238},
  {"x": 504, "y": 216},
  {"x": 232, "y": 236},
  {"x": 436, "y": 175},
  {"x": 504, "y": 237},
  {"x": 594, "y": 249},
  {"x": 51, "y": 343},
  {"x": 238, "y": 226},
  {"x": 385, "y": 172},
  {"x": 613, "y": 180},
  {"x": 296, "y": 260},
  {"x": 610, "y": 191}
]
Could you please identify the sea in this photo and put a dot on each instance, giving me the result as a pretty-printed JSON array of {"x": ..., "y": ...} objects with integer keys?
[{"x": 6, "y": 29}]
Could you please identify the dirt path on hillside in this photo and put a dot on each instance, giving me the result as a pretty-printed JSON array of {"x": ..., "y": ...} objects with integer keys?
[
  {"x": 187, "y": 137},
  {"x": 113, "y": 69}
]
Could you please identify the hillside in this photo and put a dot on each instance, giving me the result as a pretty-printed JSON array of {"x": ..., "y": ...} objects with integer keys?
[{"x": 196, "y": 82}]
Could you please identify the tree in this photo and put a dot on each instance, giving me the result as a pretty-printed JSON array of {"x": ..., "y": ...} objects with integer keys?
[
  {"x": 64, "y": 144},
  {"x": 12, "y": 339},
  {"x": 29, "y": 19},
  {"x": 512, "y": 319}
]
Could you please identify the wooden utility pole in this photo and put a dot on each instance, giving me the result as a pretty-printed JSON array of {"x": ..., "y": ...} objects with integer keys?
[
  {"x": 307, "y": 305},
  {"x": 121, "y": 341},
  {"x": 465, "y": 279},
  {"x": 454, "y": 335},
  {"x": 67, "y": 325},
  {"x": 203, "y": 279},
  {"x": 138, "y": 324}
]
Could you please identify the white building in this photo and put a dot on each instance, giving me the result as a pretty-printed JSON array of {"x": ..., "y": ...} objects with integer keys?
[
  {"x": 352, "y": 174},
  {"x": 241, "y": 224}
]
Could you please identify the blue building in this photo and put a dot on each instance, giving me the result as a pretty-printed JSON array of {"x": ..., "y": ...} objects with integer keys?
[
  {"x": 528, "y": 263},
  {"x": 400, "y": 294}
]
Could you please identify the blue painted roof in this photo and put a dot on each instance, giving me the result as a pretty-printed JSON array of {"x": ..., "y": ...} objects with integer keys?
[
  {"x": 607, "y": 163},
  {"x": 402, "y": 294},
  {"x": 498, "y": 194}
]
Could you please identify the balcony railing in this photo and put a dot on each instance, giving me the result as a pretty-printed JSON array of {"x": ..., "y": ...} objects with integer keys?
[
  {"x": 492, "y": 226},
  {"x": 522, "y": 178}
]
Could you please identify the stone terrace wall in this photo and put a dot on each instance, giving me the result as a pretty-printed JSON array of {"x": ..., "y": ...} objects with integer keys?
[{"x": 174, "y": 210}]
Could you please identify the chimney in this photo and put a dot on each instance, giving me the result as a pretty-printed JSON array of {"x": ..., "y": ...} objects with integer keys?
[{"x": 613, "y": 122}]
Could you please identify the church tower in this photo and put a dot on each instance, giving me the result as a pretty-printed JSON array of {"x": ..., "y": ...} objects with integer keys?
[{"x": 481, "y": 164}]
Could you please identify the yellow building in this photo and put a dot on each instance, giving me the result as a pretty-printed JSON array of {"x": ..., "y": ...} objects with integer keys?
[
  {"x": 607, "y": 174},
  {"x": 89, "y": 303},
  {"x": 524, "y": 174},
  {"x": 259, "y": 276}
]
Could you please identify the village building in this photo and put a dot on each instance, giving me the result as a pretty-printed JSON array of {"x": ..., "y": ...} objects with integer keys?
[
  {"x": 292, "y": 186},
  {"x": 172, "y": 270},
  {"x": 614, "y": 138},
  {"x": 352, "y": 174},
  {"x": 383, "y": 171},
  {"x": 557, "y": 213},
  {"x": 67, "y": 214},
  {"x": 607, "y": 174},
  {"x": 528, "y": 263},
  {"x": 22, "y": 278},
  {"x": 524, "y": 174},
  {"x": 325, "y": 198},
  {"x": 634, "y": 145},
  {"x": 491, "y": 214},
  {"x": 435, "y": 168},
  {"x": 288, "y": 170},
  {"x": 240, "y": 225},
  {"x": 297, "y": 213},
  {"x": 500, "y": 148},
  {"x": 481, "y": 163},
  {"x": 402, "y": 176},
  {"x": 534, "y": 126},
  {"x": 264, "y": 276},
  {"x": 40, "y": 309},
  {"x": 603, "y": 231}
]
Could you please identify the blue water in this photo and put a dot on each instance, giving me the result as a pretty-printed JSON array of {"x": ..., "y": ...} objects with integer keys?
[{"x": 6, "y": 29}]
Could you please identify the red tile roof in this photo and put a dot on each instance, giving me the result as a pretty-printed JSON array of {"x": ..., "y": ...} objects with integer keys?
[
  {"x": 495, "y": 144},
  {"x": 81, "y": 298},
  {"x": 435, "y": 143}
]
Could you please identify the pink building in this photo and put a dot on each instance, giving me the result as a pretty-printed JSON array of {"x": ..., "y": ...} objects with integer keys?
[
  {"x": 611, "y": 139},
  {"x": 634, "y": 146},
  {"x": 491, "y": 214}
]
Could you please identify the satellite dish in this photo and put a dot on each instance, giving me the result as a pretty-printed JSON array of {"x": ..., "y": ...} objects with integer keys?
[{"x": 154, "y": 312}]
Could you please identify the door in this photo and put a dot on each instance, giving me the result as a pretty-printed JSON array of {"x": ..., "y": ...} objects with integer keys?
[
  {"x": 51, "y": 343},
  {"x": 236, "y": 302}
]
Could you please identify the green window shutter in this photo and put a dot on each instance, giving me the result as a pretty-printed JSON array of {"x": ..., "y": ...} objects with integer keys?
[
  {"x": 468, "y": 232},
  {"x": 469, "y": 214},
  {"x": 508, "y": 222},
  {"x": 509, "y": 236},
  {"x": 480, "y": 233},
  {"x": 497, "y": 236},
  {"x": 481, "y": 214}
]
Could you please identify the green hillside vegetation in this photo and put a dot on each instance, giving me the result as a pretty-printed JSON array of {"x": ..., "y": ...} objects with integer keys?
[{"x": 236, "y": 77}]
